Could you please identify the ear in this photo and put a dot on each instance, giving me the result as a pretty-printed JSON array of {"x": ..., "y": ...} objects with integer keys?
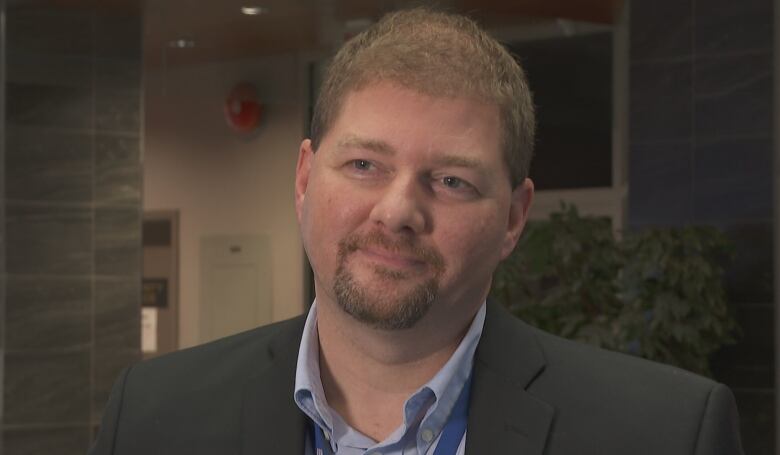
[
  {"x": 522, "y": 196},
  {"x": 302, "y": 170}
]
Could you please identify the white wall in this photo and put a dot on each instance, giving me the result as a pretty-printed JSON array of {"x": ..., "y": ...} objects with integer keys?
[{"x": 223, "y": 183}]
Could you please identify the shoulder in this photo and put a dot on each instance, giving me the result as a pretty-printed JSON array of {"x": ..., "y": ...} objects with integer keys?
[
  {"x": 565, "y": 357},
  {"x": 194, "y": 398},
  {"x": 228, "y": 360},
  {"x": 592, "y": 389},
  {"x": 561, "y": 359},
  {"x": 613, "y": 381},
  {"x": 611, "y": 399}
]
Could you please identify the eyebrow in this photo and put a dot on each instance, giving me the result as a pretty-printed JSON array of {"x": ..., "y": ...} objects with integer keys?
[
  {"x": 380, "y": 147},
  {"x": 459, "y": 161}
]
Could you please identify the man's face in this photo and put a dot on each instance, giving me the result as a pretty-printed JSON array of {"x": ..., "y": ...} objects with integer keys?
[{"x": 406, "y": 207}]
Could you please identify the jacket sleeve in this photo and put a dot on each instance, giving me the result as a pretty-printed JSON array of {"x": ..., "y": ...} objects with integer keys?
[
  {"x": 719, "y": 427},
  {"x": 104, "y": 445}
]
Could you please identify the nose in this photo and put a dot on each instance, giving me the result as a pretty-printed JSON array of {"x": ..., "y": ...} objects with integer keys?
[{"x": 400, "y": 207}]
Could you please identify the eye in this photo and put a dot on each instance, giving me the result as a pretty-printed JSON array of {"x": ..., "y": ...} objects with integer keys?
[
  {"x": 362, "y": 165},
  {"x": 456, "y": 187},
  {"x": 363, "y": 169},
  {"x": 453, "y": 182}
]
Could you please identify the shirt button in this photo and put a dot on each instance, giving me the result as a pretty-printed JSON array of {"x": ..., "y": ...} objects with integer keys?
[
  {"x": 427, "y": 435},
  {"x": 327, "y": 435}
]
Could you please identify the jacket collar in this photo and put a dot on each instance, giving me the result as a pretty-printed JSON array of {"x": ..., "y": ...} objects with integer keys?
[{"x": 503, "y": 415}]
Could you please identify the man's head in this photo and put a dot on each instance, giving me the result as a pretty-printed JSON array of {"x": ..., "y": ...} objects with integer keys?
[
  {"x": 414, "y": 185},
  {"x": 437, "y": 54}
]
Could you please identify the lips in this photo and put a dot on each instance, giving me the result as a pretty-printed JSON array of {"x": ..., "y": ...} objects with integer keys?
[
  {"x": 392, "y": 259},
  {"x": 399, "y": 254}
]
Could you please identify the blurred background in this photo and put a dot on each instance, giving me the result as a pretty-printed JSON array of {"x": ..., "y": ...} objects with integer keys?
[{"x": 148, "y": 153}]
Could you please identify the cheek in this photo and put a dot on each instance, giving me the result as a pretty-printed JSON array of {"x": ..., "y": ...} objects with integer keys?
[
  {"x": 474, "y": 243},
  {"x": 328, "y": 217},
  {"x": 341, "y": 214},
  {"x": 333, "y": 202}
]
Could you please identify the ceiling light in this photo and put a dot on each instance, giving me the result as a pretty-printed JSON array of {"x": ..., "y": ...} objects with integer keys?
[
  {"x": 254, "y": 10},
  {"x": 181, "y": 43}
]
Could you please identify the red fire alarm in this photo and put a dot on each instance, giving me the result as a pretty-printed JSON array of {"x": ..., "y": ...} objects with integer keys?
[{"x": 242, "y": 109}]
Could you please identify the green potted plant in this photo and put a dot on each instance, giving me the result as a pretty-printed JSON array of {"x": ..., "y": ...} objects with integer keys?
[{"x": 657, "y": 293}]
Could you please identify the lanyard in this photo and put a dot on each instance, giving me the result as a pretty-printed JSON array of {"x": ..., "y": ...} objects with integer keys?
[{"x": 450, "y": 438}]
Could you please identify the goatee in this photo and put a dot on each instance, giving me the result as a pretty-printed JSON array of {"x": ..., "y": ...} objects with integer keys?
[{"x": 386, "y": 312}]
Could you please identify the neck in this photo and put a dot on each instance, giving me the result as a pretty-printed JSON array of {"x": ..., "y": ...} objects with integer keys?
[{"x": 368, "y": 374}]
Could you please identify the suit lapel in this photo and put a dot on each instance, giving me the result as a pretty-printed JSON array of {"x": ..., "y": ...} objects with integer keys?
[
  {"x": 503, "y": 416},
  {"x": 272, "y": 422}
]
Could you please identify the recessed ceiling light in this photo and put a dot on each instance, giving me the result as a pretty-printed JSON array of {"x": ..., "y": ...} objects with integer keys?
[
  {"x": 181, "y": 43},
  {"x": 254, "y": 10}
]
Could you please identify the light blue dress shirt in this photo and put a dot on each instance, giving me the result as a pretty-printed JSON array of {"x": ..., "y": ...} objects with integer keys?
[{"x": 425, "y": 412}]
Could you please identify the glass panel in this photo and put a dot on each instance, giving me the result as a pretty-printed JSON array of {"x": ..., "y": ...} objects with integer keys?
[{"x": 571, "y": 78}]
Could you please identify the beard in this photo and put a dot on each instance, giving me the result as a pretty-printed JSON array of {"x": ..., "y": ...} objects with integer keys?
[{"x": 386, "y": 311}]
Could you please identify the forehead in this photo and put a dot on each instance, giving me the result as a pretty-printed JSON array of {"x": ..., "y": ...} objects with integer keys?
[{"x": 410, "y": 119}]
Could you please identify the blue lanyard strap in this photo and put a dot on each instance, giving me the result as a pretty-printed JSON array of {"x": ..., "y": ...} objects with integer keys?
[
  {"x": 455, "y": 428},
  {"x": 450, "y": 438},
  {"x": 320, "y": 446}
]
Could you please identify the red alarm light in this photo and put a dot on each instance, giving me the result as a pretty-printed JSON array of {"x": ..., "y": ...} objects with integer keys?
[{"x": 242, "y": 109}]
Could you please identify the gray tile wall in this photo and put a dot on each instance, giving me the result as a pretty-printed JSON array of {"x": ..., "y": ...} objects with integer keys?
[
  {"x": 71, "y": 222},
  {"x": 2, "y": 209},
  {"x": 701, "y": 153}
]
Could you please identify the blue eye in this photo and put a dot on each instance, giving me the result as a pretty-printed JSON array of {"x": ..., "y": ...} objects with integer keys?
[
  {"x": 455, "y": 187},
  {"x": 361, "y": 165},
  {"x": 452, "y": 182}
]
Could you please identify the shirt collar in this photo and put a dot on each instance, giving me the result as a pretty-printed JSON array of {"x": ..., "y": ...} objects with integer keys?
[
  {"x": 436, "y": 398},
  {"x": 448, "y": 382},
  {"x": 309, "y": 394}
]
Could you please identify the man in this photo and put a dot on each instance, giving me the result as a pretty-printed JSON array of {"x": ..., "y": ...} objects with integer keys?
[{"x": 412, "y": 189}]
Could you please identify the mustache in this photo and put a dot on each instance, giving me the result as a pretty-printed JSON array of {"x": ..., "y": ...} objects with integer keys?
[{"x": 403, "y": 245}]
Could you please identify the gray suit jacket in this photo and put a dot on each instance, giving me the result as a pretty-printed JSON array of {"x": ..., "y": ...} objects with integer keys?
[{"x": 532, "y": 394}]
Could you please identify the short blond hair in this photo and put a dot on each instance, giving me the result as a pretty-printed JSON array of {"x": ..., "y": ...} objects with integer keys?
[{"x": 440, "y": 54}]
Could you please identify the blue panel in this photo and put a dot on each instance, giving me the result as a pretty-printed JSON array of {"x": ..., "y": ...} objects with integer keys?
[
  {"x": 734, "y": 95},
  {"x": 660, "y": 187},
  {"x": 661, "y": 29},
  {"x": 733, "y": 180},
  {"x": 661, "y": 101},
  {"x": 733, "y": 26}
]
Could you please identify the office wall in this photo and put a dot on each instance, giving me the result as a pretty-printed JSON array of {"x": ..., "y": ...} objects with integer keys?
[
  {"x": 223, "y": 182},
  {"x": 701, "y": 153},
  {"x": 72, "y": 224}
]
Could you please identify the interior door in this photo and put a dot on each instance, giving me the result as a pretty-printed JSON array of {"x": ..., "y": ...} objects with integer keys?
[{"x": 236, "y": 286}]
